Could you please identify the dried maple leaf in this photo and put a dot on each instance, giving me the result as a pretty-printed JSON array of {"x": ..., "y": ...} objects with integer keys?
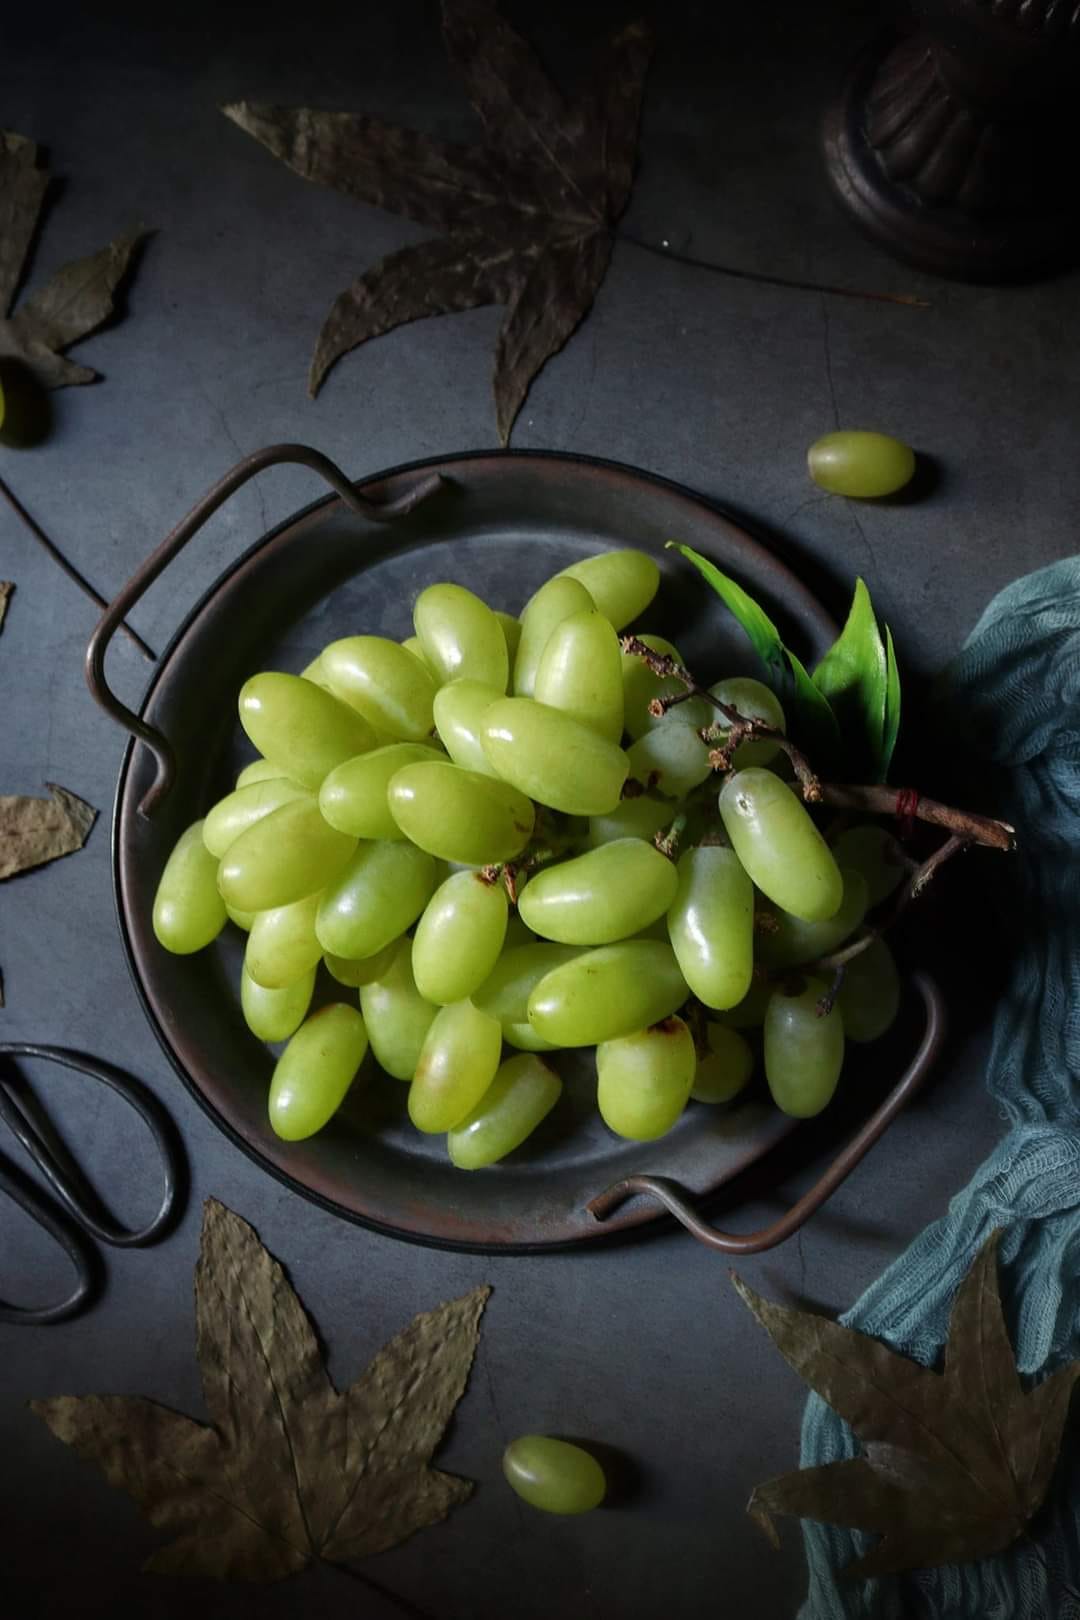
[
  {"x": 33, "y": 831},
  {"x": 292, "y": 1471},
  {"x": 956, "y": 1463},
  {"x": 527, "y": 214},
  {"x": 79, "y": 297}
]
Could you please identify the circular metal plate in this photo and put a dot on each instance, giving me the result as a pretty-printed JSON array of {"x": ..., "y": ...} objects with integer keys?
[{"x": 501, "y": 526}]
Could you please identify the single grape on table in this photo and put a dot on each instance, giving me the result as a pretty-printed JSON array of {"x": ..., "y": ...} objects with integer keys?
[{"x": 491, "y": 843}]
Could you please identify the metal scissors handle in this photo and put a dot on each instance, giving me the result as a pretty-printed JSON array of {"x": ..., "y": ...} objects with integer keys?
[{"x": 70, "y": 1218}]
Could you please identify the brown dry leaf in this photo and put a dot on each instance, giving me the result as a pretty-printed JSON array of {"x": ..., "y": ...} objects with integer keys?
[
  {"x": 33, "y": 831},
  {"x": 956, "y": 1463},
  {"x": 79, "y": 297},
  {"x": 291, "y": 1471},
  {"x": 527, "y": 214},
  {"x": 6, "y": 588}
]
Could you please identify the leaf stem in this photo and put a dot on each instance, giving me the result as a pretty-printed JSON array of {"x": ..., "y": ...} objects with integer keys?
[{"x": 404, "y": 1604}]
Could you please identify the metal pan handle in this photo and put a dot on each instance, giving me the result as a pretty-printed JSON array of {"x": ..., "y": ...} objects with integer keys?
[
  {"x": 674, "y": 1197},
  {"x": 274, "y": 455}
]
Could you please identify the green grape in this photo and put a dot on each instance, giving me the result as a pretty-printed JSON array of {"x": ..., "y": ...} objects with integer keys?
[
  {"x": 644, "y": 1079},
  {"x": 804, "y": 1051},
  {"x": 461, "y": 636},
  {"x": 397, "y": 1016},
  {"x": 869, "y": 998},
  {"x": 523, "y": 1092},
  {"x": 303, "y": 729},
  {"x": 792, "y": 941},
  {"x": 282, "y": 946},
  {"x": 750, "y": 1012},
  {"x": 525, "y": 1039},
  {"x": 242, "y": 919},
  {"x": 640, "y": 686},
  {"x": 601, "y": 896},
  {"x": 725, "y": 1069},
  {"x": 380, "y": 893},
  {"x": 754, "y": 701},
  {"x": 548, "y": 607},
  {"x": 384, "y": 682},
  {"x": 188, "y": 910},
  {"x": 242, "y": 808},
  {"x": 606, "y": 993},
  {"x": 315, "y": 1071},
  {"x": 554, "y": 1475},
  {"x": 459, "y": 710},
  {"x": 511, "y": 629},
  {"x": 711, "y": 925},
  {"x": 860, "y": 464},
  {"x": 779, "y": 845},
  {"x": 553, "y": 758},
  {"x": 580, "y": 672},
  {"x": 505, "y": 992},
  {"x": 353, "y": 797},
  {"x": 671, "y": 758},
  {"x": 877, "y": 855},
  {"x": 457, "y": 1064},
  {"x": 459, "y": 937},
  {"x": 355, "y": 971},
  {"x": 260, "y": 770},
  {"x": 621, "y": 583},
  {"x": 460, "y": 815},
  {"x": 274, "y": 1015},
  {"x": 414, "y": 645},
  {"x": 289, "y": 853},
  {"x": 642, "y": 817}
]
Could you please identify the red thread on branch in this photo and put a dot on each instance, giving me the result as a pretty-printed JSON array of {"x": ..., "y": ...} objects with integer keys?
[{"x": 907, "y": 805}]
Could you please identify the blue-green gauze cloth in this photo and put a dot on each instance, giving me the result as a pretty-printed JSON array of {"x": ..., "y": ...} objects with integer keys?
[{"x": 1016, "y": 683}]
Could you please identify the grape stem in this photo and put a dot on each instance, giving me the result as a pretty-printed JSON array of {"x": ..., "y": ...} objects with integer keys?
[
  {"x": 667, "y": 842},
  {"x": 911, "y": 890},
  {"x": 879, "y": 800}
]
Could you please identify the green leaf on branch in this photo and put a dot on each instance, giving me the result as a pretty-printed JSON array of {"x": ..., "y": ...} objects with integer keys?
[
  {"x": 853, "y": 677},
  {"x": 892, "y": 705}
]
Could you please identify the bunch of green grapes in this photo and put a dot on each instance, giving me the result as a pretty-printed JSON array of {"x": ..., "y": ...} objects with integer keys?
[{"x": 445, "y": 826}]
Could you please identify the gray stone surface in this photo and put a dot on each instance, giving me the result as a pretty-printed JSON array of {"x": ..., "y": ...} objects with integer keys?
[{"x": 720, "y": 384}]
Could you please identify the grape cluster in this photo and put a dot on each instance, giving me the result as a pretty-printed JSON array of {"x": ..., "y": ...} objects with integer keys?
[{"x": 499, "y": 837}]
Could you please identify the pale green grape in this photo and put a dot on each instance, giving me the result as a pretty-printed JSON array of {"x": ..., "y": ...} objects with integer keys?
[
  {"x": 606, "y": 993},
  {"x": 314, "y": 672},
  {"x": 288, "y": 854},
  {"x": 414, "y": 645},
  {"x": 355, "y": 971},
  {"x": 601, "y": 896},
  {"x": 642, "y": 817},
  {"x": 242, "y": 808},
  {"x": 621, "y": 583},
  {"x": 188, "y": 910},
  {"x": 779, "y": 845},
  {"x": 461, "y": 636},
  {"x": 511, "y": 629},
  {"x": 282, "y": 946},
  {"x": 260, "y": 770},
  {"x": 725, "y": 1069},
  {"x": 640, "y": 686},
  {"x": 397, "y": 1016},
  {"x": 671, "y": 758},
  {"x": 553, "y": 758},
  {"x": 754, "y": 701},
  {"x": 457, "y": 1064},
  {"x": 316, "y": 1069},
  {"x": 505, "y": 992},
  {"x": 548, "y": 607},
  {"x": 384, "y": 682},
  {"x": 869, "y": 998},
  {"x": 877, "y": 855},
  {"x": 274, "y": 1015},
  {"x": 711, "y": 925},
  {"x": 792, "y": 941},
  {"x": 580, "y": 672},
  {"x": 353, "y": 797},
  {"x": 750, "y": 1012},
  {"x": 525, "y": 1039},
  {"x": 804, "y": 1051},
  {"x": 554, "y": 1475},
  {"x": 459, "y": 937},
  {"x": 459, "y": 711},
  {"x": 460, "y": 815},
  {"x": 303, "y": 729},
  {"x": 860, "y": 464},
  {"x": 242, "y": 919},
  {"x": 380, "y": 893},
  {"x": 523, "y": 1092},
  {"x": 644, "y": 1079}
]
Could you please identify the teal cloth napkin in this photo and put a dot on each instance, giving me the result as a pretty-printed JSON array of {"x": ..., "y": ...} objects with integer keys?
[{"x": 1017, "y": 684}]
